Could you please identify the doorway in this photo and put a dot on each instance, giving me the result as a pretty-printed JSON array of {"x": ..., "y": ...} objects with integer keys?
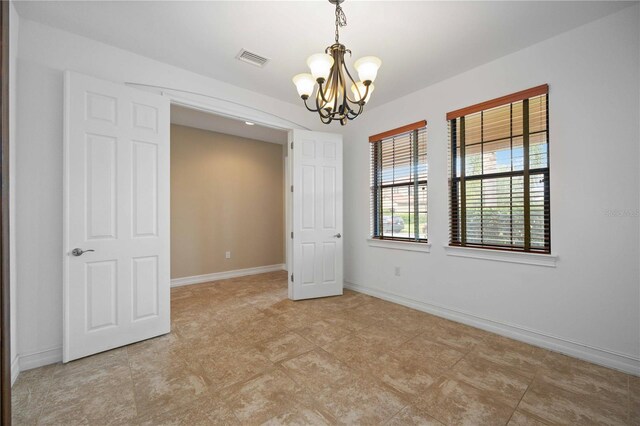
[
  {"x": 228, "y": 198},
  {"x": 116, "y": 273}
]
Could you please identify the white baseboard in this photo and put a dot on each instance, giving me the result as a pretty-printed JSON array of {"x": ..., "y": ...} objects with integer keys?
[
  {"x": 39, "y": 359},
  {"x": 606, "y": 358},
  {"x": 198, "y": 279},
  {"x": 15, "y": 369}
]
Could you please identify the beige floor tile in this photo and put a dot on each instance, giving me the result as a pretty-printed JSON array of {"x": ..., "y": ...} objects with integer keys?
[
  {"x": 283, "y": 306},
  {"x": 457, "y": 336},
  {"x": 407, "y": 319},
  {"x": 634, "y": 400},
  {"x": 240, "y": 352},
  {"x": 165, "y": 382},
  {"x": 284, "y": 346},
  {"x": 457, "y": 403},
  {"x": 499, "y": 381},
  {"x": 409, "y": 376},
  {"x": 385, "y": 335},
  {"x": 209, "y": 409},
  {"x": 410, "y": 416},
  {"x": 199, "y": 330},
  {"x": 299, "y": 416},
  {"x": 322, "y": 332},
  {"x": 359, "y": 400},
  {"x": 356, "y": 352},
  {"x": 295, "y": 319},
  {"x": 264, "y": 329},
  {"x": 102, "y": 395},
  {"x": 115, "y": 357},
  {"x": 366, "y": 314},
  {"x": 347, "y": 321},
  {"x": 316, "y": 369},
  {"x": 559, "y": 406},
  {"x": 583, "y": 377},
  {"x": 236, "y": 317},
  {"x": 521, "y": 357},
  {"x": 28, "y": 394},
  {"x": 161, "y": 344},
  {"x": 230, "y": 366},
  {"x": 435, "y": 355},
  {"x": 520, "y": 418},
  {"x": 269, "y": 395}
]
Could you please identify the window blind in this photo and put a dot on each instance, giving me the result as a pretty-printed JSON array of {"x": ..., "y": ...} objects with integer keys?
[
  {"x": 499, "y": 165},
  {"x": 399, "y": 184}
]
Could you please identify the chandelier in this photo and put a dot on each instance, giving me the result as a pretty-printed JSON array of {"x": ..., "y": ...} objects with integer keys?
[{"x": 329, "y": 71}]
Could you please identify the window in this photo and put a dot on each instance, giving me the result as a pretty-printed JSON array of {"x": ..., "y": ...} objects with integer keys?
[
  {"x": 499, "y": 162},
  {"x": 399, "y": 183}
]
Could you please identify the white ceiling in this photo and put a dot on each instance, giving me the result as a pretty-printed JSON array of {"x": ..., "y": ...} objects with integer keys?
[
  {"x": 216, "y": 123},
  {"x": 419, "y": 43}
]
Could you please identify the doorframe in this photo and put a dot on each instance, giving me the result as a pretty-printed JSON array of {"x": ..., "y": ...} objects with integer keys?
[
  {"x": 5, "y": 334},
  {"x": 245, "y": 113}
]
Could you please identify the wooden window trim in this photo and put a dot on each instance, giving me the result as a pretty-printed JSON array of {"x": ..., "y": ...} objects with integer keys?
[
  {"x": 503, "y": 100},
  {"x": 404, "y": 129}
]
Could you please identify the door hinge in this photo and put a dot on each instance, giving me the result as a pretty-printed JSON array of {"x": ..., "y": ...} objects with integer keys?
[
  {"x": 291, "y": 145},
  {"x": 291, "y": 234},
  {"x": 291, "y": 188},
  {"x": 291, "y": 277}
]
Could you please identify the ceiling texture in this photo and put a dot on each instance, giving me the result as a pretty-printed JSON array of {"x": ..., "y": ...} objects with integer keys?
[{"x": 420, "y": 43}]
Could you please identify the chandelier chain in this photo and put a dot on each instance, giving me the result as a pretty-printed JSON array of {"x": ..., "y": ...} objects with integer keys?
[{"x": 341, "y": 20}]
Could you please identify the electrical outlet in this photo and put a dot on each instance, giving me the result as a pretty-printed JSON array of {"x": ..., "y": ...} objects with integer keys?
[
  {"x": 397, "y": 271},
  {"x": 227, "y": 255}
]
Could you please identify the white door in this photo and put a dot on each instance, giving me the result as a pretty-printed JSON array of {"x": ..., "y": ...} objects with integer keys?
[
  {"x": 316, "y": 176},
  {"x": 116, "y": 210}
]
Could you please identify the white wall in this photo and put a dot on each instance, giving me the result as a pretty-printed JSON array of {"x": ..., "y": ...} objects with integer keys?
[
  {"x": 14, "y": 25},
  {"x": 44, "y": 53},
  {"x": 589, "y": 305}
]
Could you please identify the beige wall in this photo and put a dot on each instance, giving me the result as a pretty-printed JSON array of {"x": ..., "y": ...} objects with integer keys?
[{"x": 227, "y": 194}]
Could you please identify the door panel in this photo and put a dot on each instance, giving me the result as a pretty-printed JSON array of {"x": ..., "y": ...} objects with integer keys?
[
  {"x": 145, "y": 287},
  {"x": 117, "y": 206},
  {"x": 101, "y": 291},
  {"x": 145, "y": 189},
  {"x": 101, "y": 172},
  {"x": 316, "y": 174}
]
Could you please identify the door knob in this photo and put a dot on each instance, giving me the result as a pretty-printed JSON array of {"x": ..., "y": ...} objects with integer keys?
[
  {"x": 79, "y": 251},
  {"x": 338, "y": 235}
]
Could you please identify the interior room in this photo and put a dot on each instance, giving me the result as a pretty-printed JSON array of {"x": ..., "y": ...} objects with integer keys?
[
  {"x": 320, "y": 212},
  {"x": 223, "y": 170}
]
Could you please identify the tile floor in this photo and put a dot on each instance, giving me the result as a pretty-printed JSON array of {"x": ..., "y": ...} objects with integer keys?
[{"x": 241, "y": 353}]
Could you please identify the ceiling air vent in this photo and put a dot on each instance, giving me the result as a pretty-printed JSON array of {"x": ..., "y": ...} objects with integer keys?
[{"x": 252, "y": 58}]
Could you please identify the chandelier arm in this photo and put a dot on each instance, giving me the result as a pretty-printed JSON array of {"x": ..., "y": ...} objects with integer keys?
[
  {"x": 328, "y": 86},
  {"x": 322, "y": 92},
  {"x": 310, "y": 109},
  {"x": 320, "y": 110},
  {"x": 356, "y": 114},
  {"x": 362, "y": 98}
]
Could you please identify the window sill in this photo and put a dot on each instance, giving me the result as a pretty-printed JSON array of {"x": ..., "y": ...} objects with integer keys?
[
  {"x": 548, "y": 260},
  {"x": 399, "y": 245}
]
